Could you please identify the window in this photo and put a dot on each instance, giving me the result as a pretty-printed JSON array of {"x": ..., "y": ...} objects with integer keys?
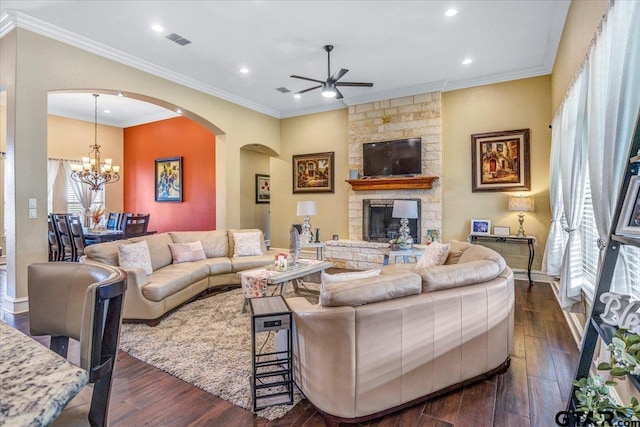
[
  {"x": 591, "y": 252},
  {"x": 74, "y": 206}
]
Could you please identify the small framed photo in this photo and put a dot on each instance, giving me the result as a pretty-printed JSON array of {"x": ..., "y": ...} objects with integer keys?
[
  {"x": 169, "y": 180},
  {"x": 501, "y": 231},
  {"x": 480, "y": 226},
  {"x": 313, "y": 173},
  {"x": 263, "y": 188},
  {"x": 629, "y": 221}
]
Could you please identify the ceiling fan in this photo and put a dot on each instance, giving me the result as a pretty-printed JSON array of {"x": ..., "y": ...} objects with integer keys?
[{"x": 330, "y": 86}]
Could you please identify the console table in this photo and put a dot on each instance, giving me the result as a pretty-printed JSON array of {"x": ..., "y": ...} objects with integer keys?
[{"x": 528, "y": 240}]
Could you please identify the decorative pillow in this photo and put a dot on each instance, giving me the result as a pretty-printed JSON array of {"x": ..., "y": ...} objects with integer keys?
[
  {"x": 247, "y": 244},
  {"x": 341, "y": 277},
  {"x": 186, "y": 252},
  {"x": 434, "y": 254},
  {"x": 135, "y": 255},
  {"x": 456, "y": 250}
]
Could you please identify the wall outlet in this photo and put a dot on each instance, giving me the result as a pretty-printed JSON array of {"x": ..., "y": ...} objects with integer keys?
[
  {"x": 33, "y": 203},
  {"x": 33, "y": 213}
]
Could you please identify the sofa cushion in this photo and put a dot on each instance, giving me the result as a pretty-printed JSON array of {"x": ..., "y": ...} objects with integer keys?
[
  {"x": 456, "y": 249},
  {"x": 341, "y": 277},
  {"x": 371, "y": 289},
  {"x": 247, "y": 244},
  {"x": 234, "y": 231},
  {"x": 186, "y": 252},
  {"x": 219, "y": 265},
  {"x": 106, "y": 253},
  {"x": 158, "y": 248},
  {"x": 173, "y": 278},
  {"x": 434, "y": 254},
  {"x": 460, "y": 274},
  {"x": 131, "y": 255},
  {"x": 214, "y": 242},
  {"x": 478, "y": 252}
]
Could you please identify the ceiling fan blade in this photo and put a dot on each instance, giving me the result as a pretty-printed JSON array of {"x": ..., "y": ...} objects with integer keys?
[
  {"x": 307, "y": 90},
  {"x": 338, "y": 74},
  {"x": 307, "y": 78},
  {"x": 354, "y": 84},
  {"x": 338, "y": 94}
]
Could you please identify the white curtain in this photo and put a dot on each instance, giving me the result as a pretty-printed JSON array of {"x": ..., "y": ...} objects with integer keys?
[
  {"x": 573, "y": 171},
  {"x": 52, "y": 172},
  {"x": 82, "y": 191},
  {"x": 557, "y": 239},
  {"x": 614, "y": 98}
]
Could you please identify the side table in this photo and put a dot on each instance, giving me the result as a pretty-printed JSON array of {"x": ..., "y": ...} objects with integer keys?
[
  {"x": 272, "y": 376},
  {"x": 404, "y": 253},
  {"x": 319, "y": 249},
  {"x": 528, "y": 240}
]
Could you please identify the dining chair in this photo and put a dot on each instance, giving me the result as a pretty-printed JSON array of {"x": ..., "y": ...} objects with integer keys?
[
  {"x": 68, "y": 249},
  {"x": 79, "y": 239},
  {"x": 83, "y": 302},
  {"x": 55, "y": 248},
  {"x": 113, "y": 220},
  {"x": 135, "y": 225}
]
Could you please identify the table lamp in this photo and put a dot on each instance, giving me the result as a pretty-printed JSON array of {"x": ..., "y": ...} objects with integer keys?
[
  {"x": 306, "y": 209},
  {"x": 521, "y": 204},
  {"x": 405, "y": 209}
]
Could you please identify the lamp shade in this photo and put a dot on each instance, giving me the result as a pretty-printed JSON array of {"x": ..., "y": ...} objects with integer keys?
[
  {"x": 307, "y": 208},
  {"x": 405, "y": 209},
  {"x": 521, "y": 204}
]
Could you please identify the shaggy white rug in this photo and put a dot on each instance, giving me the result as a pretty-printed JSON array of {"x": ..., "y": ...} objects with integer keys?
[{"x": 206, "y": 343}]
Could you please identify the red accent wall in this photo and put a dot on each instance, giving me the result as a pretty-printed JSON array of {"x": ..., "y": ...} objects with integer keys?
[{"x": 165, "y": 139}]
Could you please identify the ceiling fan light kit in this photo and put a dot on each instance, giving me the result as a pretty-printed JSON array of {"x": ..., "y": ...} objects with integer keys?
[{"x": 330, "y": 86}]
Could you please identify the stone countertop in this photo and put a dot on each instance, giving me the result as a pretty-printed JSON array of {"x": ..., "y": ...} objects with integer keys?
[{"x": 35, "y": 382}]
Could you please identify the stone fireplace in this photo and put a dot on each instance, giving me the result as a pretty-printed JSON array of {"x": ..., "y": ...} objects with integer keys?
[
  {"x": 379, "y": 226},
  {"x": 416, "y": 116}
]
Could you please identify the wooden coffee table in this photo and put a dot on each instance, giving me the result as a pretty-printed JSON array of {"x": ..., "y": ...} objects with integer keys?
[{"x": 281, "y": 278}]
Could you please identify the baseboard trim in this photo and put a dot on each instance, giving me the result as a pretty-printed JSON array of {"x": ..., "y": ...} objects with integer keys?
[{"x": 15, "y": 305}]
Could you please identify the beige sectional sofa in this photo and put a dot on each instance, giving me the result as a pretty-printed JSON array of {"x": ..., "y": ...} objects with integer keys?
[
  {"x": 150, "y": 296},
  {"x": 379, "y": 344}
]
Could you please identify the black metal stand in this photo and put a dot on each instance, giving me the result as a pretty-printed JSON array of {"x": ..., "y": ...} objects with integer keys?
[{"x": 272, "y": 376}]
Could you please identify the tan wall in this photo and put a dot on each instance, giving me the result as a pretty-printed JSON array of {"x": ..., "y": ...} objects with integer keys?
[
  {"x": 252, "y": 214},
  {"x": 315, "y": 133},
  {"x": 579, "y": 28},
  {"x": 69, "y": 139},
  {"x": 519, "y": 104},
  {"x": 31, "y": 66}
]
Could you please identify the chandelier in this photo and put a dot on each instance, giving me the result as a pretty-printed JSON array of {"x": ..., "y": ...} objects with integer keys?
[{"x": 93, "y": 171}]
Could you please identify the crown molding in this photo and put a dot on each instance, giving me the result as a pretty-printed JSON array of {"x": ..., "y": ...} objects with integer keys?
[
  {"x": 13, "y": 19},
  {"x": 553, "y": 41},
  {"x": 496, "y": 78}
]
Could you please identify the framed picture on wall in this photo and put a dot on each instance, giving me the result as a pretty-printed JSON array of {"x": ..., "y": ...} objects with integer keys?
[
  {"x": 629, "y": 221},
  {"x": 263, "y": 188},
  {"x": 313, "y": 173},
  {"x": 500, "y": 161},
  {"x": 169, "y": 180}
]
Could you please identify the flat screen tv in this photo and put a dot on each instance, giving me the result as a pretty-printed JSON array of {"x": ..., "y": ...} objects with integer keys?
[{"x": 389, "y": 158}]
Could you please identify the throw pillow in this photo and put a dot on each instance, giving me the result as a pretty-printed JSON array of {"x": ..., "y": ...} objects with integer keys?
[
  {"x": 341, "y": 277},
  {"x": 247, "y": 244},
  {"x": 186, "y": 252},
  {"x": 434, "y": 254},
  {"x": 135, "y": 255}
]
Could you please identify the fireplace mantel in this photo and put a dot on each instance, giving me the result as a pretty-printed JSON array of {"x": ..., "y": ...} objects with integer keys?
[{"x": 399, "y": 183}]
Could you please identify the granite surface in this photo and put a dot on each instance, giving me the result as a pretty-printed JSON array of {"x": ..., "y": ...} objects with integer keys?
[{"x": 35, "y": 383}]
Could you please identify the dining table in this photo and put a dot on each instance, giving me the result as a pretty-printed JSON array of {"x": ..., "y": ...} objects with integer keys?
[
  {"x": 93, "y": 235},
  {"x": 35, "y": 382}
]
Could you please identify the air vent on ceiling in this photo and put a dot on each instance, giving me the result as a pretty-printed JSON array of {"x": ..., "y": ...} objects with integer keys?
[
  {"x": 283, "y": 90},
  {"x": 178, "y": 39}
]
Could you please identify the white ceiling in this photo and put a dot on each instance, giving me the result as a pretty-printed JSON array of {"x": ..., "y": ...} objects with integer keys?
[{"x": 403, "y": 47}]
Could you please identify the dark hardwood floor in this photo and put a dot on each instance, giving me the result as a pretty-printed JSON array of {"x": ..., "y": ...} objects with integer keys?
[{"x": 533, "y": 390}]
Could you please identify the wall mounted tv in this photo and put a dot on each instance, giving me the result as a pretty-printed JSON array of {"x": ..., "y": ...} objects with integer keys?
[{"x": 389, "y": 158}]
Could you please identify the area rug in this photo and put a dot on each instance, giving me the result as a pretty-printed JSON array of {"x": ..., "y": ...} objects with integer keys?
[{"x": 206, "y": 343}]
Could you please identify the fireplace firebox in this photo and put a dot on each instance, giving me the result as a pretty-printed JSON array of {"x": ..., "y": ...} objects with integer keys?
[{"x": 379, "y": 226}]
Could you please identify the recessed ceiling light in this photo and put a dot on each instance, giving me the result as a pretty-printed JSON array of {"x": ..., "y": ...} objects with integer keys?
[
  {"x": 157, "y": 28},
  {"x": 244, "y": 70},
  {"x": 297, "y": 96},
  {"x": 467, "y": 61},
  {"x": 451, "y": 12},
  {"x": 179, "y": 111},
  {"x": 107, "y": 111},
  {"x": 120, "y": 94}
]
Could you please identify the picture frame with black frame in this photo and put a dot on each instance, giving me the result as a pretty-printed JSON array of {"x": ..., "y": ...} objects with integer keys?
[
  {"x": 263, "y": 188},
  {"x": 629, "y": 221},
  {"x": 168, "y": 179}
]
